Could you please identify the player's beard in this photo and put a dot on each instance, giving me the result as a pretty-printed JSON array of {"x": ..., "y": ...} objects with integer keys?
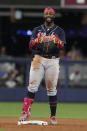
[{"x": 49, "y": 20}]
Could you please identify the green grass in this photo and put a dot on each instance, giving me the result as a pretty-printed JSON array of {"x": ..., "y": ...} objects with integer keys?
[
  {"x": 41, "y": 110},
  {"x": 2, "y": 130}
]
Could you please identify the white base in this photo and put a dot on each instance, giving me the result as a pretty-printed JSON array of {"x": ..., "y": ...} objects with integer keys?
[{"x": 33, "y": 122}]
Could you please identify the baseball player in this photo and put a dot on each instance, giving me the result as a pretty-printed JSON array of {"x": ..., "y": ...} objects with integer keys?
[{"x": 46, "y": 41}]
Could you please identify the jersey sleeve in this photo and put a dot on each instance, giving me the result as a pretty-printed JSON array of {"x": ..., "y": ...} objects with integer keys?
[
  {"x": 62, "y": 36},
  {"x": 34, "y": 34},
  {"x": 33, "y": 37}
]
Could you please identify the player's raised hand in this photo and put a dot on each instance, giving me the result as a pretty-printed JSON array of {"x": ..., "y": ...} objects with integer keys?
[
  {"x": 58, "y": 42},
  {"x": 56, "y": 39},
  {"x": 39, "y": 38}
]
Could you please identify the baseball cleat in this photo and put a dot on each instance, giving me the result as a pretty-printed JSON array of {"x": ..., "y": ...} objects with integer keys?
[
  {"x": 24, "y": 116},
  {"x": 53, "y": 120}
]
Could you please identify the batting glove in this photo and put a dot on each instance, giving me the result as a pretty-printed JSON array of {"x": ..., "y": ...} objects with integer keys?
[
  {"x": 58, "y": 42},
  {"x": 38, "y": 40},
  {"x": 56, "y": 39}
]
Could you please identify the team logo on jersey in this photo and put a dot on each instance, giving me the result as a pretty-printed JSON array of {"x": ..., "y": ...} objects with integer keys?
[{"x": 47, "y": 38}]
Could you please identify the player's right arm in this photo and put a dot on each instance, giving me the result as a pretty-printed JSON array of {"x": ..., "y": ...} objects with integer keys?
[{"x": 36, "y": 38}]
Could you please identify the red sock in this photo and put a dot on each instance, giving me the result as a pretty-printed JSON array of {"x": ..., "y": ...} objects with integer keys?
[{"x": 27, "y": 104}]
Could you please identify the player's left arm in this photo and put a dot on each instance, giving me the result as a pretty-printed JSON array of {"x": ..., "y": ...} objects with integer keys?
[{"x": 60, "y": 39}]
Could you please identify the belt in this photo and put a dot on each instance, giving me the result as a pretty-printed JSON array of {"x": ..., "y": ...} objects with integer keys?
[{"x": 50, "y": 57}]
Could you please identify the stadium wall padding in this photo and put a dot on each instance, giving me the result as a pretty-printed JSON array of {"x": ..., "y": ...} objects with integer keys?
[{"x": 64, "y": 95}]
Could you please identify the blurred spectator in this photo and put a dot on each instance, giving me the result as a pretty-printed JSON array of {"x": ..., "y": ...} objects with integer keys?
[
  {"x": 12, "y": 12},
  {"x": 62, "y": 54},
  {"x": 7, "y": 70},
  {"x": 15, "y": 14},
  {"x": 84, "y": 19},
  {"x": 11, "y": 75},
  {"x": 75, "y": 53},
  {"x": 75, "y": 77},
  {"x": 3, "y": 52},
  {"x": 11, "y": 80}
]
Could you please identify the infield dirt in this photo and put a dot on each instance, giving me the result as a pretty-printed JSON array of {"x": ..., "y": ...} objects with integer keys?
[{"x": 10, "y": 124}]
